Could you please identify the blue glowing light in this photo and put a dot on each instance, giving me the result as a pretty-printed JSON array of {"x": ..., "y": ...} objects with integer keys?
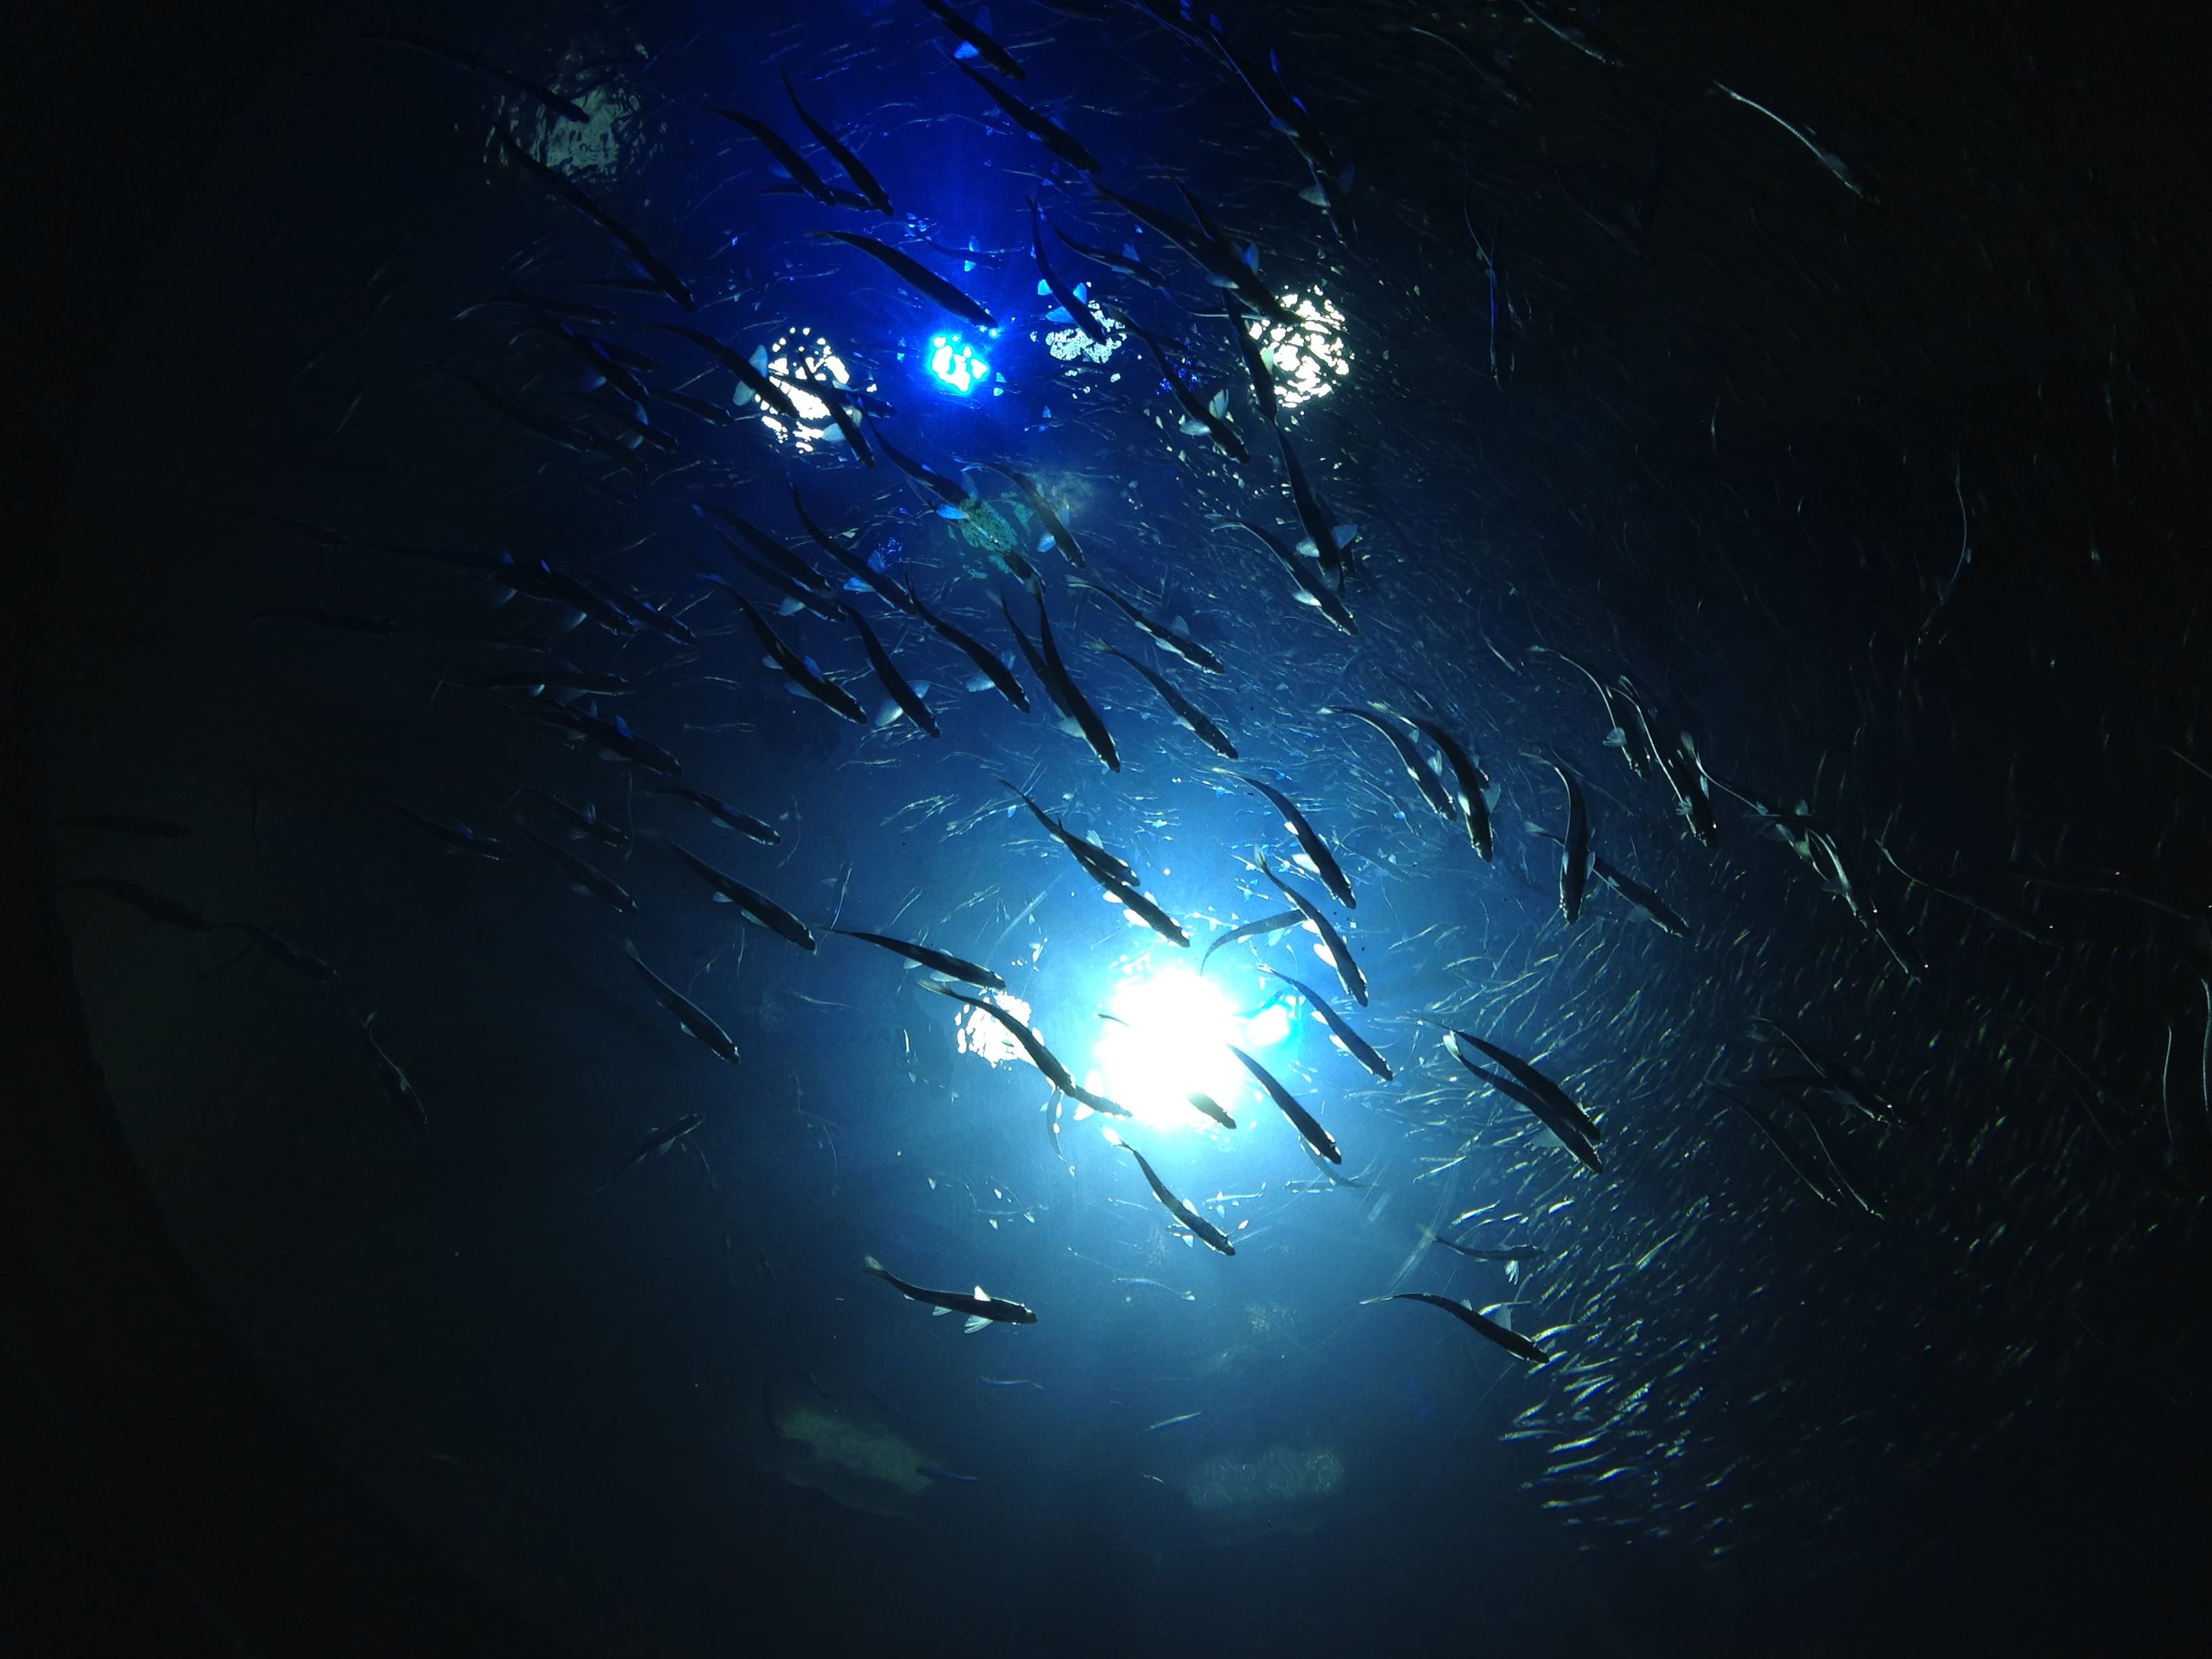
[{"x": 955, "y": 364}]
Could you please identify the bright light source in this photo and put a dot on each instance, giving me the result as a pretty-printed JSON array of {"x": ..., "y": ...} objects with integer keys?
[
  {"x": 791, "y": 363},
  {"x": 1308, "y": 356},
  {"x": 955, "y": 364},
  {"x": 1170, "y": 1035},
  {"x": 977, "y": 1033}
]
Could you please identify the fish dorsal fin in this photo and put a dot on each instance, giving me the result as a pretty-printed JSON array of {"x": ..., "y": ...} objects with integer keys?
[
  {"x": 982, "y": 1295},
  {"x": 759, "y": 358}
]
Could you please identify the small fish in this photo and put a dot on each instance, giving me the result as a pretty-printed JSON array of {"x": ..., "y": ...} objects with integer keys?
[
  {"x": 1312, "y": 590},
  {"x": 1791, "y": 1154},
  {"x": 664, "y": 276},
  {"x": 796, "y": 166},
  {"x": 1187, "y": 1213},
  {"x": 1058, "y": 681},
  {"x": 1273, "y": 924},
  {"x": 916, "y": 275},
  {"x": 581, "y": 820},
  {"x": 159, "y": 906},
  {"x": 1100, "y": 866},
  {"x": 903, "y": 692},
  {"x": 1549, "y": 1104},
  {"x": 1155, "y": 1284},
  {"x": 975, "y": 42},
  {"x": 1043, "y": 1058},
  {"x": 1208, "y": 1106},
  {"x": 1512, "y": 1341},
  {"x": 458, "y": 837},
  {"x": 1619, "y": 737},
  {"x": 1470, "y": 783},
  {"x": 1079, "y": 310},
  {"x": 1642, "y": 897},
  {"x": 863, "y": 180},
  {"x": 658, "y": 1142},
  {"x": 1328, "y": 541},
  {"x": 395, "y": 1081},
  {"x": 752, "y": 378},
  {"x": 1307, "y": 1125},
  {"x": 1169, "y": 1422},
  {"x": 689, "y": 1019},
  {"x": 1356, "y": 1045},
  {"x": 1828, "y": 158},
  {"x": 994, "y": 669},
  {"x": 955, "y": 496},
  {"x": 1309, "y": 842},
  {"x": 982, "y": 1309},
  {"x": 936, "y": 961},
  {"x": 1039, "y": 126},
  {"x": 1056, "y": 528},
  {"x": 1574, "y": 857},
  {"x": 586, "y": 880},
  {"x": 1416, "y": 764},
  {"x": 1339, "y": 953},
  {"x": 1124, "y": 264},
  {"x": 885, "y": 587},
  {"x": 1201, "y": 724},
  {"x": 1177, "y": 641},
  {"x": 801, "y": 673},
  {"x": 946, "y": 1474},
  {"x": 722, "y": 813},
  {"x": 1208, "y": 417},
  {"x": 728, "y": 890},
  {"x": 1513, "y": 1257},
  {"x": 1255, "y": 364}
]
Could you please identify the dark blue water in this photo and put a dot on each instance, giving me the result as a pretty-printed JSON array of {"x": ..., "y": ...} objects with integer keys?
[{"x": 1599, "y": 361}]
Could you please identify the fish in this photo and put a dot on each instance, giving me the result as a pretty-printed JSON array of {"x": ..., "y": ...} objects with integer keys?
[
  {"x": 957, "y": 496},
  {"x": 1210, "y": 417},
  {"x": 1206, "y": 1105},
  {"x": 1846, "y": 1082},
  {"x": 1356, "y": 1045},
  {"x": 1061, "y": 684},
  {"x": 975, "y": 42},
  {"x": 1347, "y": 970},
  {"x": 795, "y": 165},
  {"x": 1311, "y": 589},
  {"x": 581, "y": 820},
  {"x": 982, "y": 1309},
  {"x": 1187, "y": 711},
  {"x": 1149, "y": 912},
  {"x": 701, "y": 408},
  {"x": 1175, "y": 640},
  {"x": 1545, "y": 1099},
  {"x": 752, "y": 378},
  {"x": 1791, "y": 1155},
  {"x": 1222, "y": 268},
  {"x": 1188, "y": 1214},
  {"x": 663, "y": 275},
  {"x": 1169, "y": 1422},
  {"x": 612, "y": 736},
  {"x": 888, "y": 588},
  {"x": 904, "y": 693},
  {"x": 1513, "y": 1257},
  {"x": 582, "y": 876},
  {"x": 1255, "y": 364},
  {"x": 1042, "y": 1057},
  {"x": 1327, "y": 540},
  {"x": 993, "y": 668},
  {"x": 1828, "y": 158},
  {"x": 1574, "y": 859},
  {"x": 916, "y": 275},
  {"x": 1039, "y": 126},
  {"x": 798, "y": 595},
  {"x": 554, "y": 676},
  {"x": 1305, "y": 1122},
  {"x": 1077, "y": 309},
  {"x": 728, "y": 890},
  {"x": 396, "y": 1082},
  {"x": 938, "y": 962},
  {"x": 1309, "y": 841},
  {"x": 1098, "y": 863},
  {"x": 1512, "y": 1341},
  {"x": 458, "y": 837},
  {"x": 285, "y": 950},
  {"x": 801, "y": 672},
  {"x": 1416, "y": 764},
  {"x": 1470, "y": 784},
  {"x": 567, "y": 109},
  {"x": 657, "y": 1143},
  {"x": 1683, "y": 775},
  {"x": 722, "y": 813},
  {"x": 1124, "y": 264},
  {"x": 1056, "y": 530},
  {"x": 1273, "y": 924},
  {"x": 1619, "y": 737},
  {"x": 1642, "y": 897},
  {"x": 159, "y": 906},
  {"x": 871, "y": 190},
  {"x": 691, "y": 1019}
]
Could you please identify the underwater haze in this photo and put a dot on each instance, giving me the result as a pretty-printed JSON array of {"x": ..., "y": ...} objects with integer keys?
[{"x": 1348, "y": 828}]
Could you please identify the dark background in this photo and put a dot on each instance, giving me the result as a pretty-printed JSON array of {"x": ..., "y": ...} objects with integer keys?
[{"x": 170, "y": 1503}]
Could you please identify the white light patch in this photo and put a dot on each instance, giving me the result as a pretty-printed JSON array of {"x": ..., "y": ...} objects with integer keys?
[
  {"x": 1308, "y": 356},
  {"x": 977, "y": 1033},
  {"x": 793, "y": 359},
  {"x": 1170, "y": 1035}
]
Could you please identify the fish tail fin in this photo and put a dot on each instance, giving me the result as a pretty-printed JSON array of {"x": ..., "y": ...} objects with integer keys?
[{"x": 873, "y": 1266}]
